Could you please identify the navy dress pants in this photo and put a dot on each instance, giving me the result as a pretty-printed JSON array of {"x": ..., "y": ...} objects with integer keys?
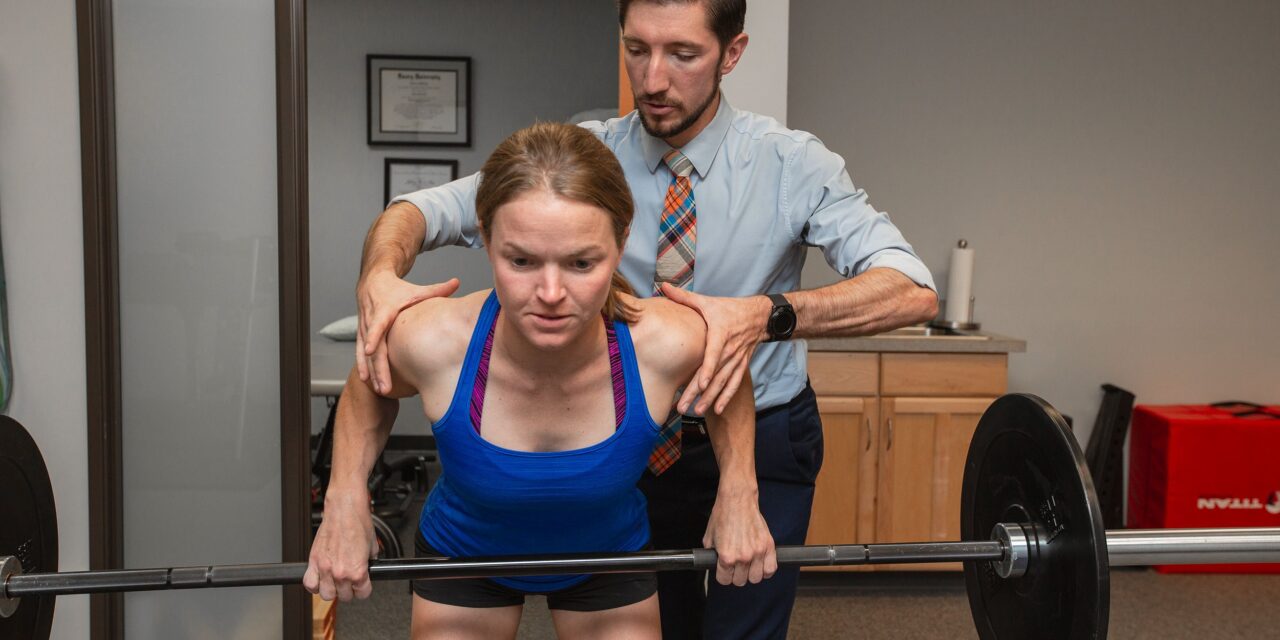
[{"x": 788, "y": 456}]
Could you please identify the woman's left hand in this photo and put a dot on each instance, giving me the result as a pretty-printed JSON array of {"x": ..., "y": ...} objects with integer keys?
[
  {"x": 741, "y": 538},
  {"x": 735, "y": 327}
]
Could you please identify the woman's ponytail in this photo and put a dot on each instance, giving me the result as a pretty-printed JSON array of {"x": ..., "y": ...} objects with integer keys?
[{"x": 615, "y": 308}]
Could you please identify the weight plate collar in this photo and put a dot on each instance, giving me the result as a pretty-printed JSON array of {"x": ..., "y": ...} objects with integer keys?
[
  {"x": 30, "y": 529},
  {"x": 1025, "y": 467}
]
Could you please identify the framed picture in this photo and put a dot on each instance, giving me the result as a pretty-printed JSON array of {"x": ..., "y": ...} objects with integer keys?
[
  {"x": 416, "y": 100},
  {"x": 405, "y": 175}
]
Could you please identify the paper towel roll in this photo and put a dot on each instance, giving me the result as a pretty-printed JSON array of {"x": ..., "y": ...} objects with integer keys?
[{"x": 960, "y": 285}]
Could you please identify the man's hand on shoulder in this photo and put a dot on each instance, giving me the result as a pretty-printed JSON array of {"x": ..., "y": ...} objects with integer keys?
[
  {"x": 735, "y": 327},
  {"x": 381, "y": 296}
]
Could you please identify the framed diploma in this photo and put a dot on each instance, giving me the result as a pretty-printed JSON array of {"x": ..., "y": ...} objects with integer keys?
[
  {"x": 415, "y": 100},
  {"x": 405, "y": 175}
]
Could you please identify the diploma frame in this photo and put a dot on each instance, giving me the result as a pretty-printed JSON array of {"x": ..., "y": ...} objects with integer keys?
[
  {"x": 419, "y": 100},
  {"x": 405, "y": 175}
]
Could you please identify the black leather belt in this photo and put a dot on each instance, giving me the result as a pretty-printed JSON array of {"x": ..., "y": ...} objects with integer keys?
[{"x": 693, "y": 427}]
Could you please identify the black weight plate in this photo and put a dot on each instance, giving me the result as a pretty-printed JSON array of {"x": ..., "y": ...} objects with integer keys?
[
  {"x": 1024, "y": 466},
  {"x": 28, "y": 525}
]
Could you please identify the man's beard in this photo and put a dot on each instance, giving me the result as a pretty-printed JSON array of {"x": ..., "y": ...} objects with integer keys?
[{"x": 683, "y": 125}]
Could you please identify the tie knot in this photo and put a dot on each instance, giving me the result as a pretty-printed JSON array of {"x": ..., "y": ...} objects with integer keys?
[{"x": 679, "y": 163}]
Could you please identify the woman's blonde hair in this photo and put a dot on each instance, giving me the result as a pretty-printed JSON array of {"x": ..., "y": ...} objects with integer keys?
[{"x": 568, "y": 162}]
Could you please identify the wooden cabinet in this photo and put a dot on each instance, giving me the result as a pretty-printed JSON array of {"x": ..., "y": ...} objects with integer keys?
[
  {"x": 921, "y": 467},
  {"x": 844, "y": 501},
  {"x": 836, "y": 375},
  {"x": 943, "y": 374},
  {"x": 896, "y": 430}
]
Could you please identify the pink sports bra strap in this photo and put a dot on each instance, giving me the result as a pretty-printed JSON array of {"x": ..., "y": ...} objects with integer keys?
[{"x": 615, "y": 374}]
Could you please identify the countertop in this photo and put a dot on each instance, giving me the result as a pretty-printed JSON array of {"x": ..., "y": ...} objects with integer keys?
[{"x": 965, "y": 342}]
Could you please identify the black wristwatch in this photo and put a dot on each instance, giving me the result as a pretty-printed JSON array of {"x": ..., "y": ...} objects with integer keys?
[{"x": 782, "y": 320}]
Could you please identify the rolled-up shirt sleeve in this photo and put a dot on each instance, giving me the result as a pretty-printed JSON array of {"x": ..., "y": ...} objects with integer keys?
[
  {"x": 450, "y": 213},
  {"x": 826, "y": 210}
]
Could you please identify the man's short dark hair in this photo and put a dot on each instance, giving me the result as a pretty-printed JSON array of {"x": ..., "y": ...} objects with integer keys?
[{"x": 725, "y": 17}]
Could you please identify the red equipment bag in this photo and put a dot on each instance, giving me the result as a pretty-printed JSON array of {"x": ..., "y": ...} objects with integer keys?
[{"x": 1194, "y": 466}]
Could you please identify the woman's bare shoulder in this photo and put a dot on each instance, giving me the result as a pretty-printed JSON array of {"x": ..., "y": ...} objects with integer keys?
[
  {"x": 435, "y": 332},
  {"x": 670, "y": 335}
]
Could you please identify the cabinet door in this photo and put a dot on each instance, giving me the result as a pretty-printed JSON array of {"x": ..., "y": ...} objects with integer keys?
[
  {"x": 844, "y": 499},
  {"x": 923, "y": 445}
]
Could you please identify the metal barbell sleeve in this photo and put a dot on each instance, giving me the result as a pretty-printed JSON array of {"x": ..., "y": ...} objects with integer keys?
[{"x": 1134, "y": 547}]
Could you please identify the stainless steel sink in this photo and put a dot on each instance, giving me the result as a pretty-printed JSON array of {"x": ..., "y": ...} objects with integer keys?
[{"x": 921, "y": 331}]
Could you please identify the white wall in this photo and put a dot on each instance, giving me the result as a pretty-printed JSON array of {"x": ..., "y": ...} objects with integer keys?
[
  {"x": 1114, "y": 165},
  {"x": 40, "y": 219},
  {"x": 759, "y": 82}
]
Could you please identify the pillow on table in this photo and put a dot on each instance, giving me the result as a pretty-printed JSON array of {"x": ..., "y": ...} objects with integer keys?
[{"x": 343, "y": 330}]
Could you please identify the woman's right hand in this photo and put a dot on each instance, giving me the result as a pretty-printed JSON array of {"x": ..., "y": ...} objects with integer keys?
[{"x": 339, "y": 562}]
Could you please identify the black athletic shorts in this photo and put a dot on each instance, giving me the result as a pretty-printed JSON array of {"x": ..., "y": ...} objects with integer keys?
[{"x": 597, "y": 593}]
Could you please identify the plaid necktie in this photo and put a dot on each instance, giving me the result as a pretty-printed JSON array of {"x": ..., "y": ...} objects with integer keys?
[{"x": 677, "y": 239}]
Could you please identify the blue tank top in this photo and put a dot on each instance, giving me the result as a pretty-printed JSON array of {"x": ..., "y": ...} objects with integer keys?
[{"x": 493, "y": 501}]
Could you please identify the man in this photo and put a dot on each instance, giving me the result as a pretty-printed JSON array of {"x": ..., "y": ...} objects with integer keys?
[{"x": 745, "y": 197}]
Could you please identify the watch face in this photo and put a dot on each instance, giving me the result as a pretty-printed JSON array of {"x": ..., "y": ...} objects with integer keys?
[{"x": 782, "y": 323}]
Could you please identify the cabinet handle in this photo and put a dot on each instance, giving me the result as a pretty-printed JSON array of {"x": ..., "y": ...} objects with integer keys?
[
  {"x": 868, "y": 447},
  {"x": 889, "y": 445}
]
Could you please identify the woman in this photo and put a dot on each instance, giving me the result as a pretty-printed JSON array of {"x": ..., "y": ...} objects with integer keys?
[{"x": 546, "y": 396}]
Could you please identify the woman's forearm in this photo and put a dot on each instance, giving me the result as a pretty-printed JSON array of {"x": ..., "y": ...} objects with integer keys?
[
  {"x": 360, "y": 431},
  {"x": 733, "y": 438}
]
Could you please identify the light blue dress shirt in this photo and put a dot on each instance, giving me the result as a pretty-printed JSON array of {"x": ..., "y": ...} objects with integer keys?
[{"x": 764, "y": 193}]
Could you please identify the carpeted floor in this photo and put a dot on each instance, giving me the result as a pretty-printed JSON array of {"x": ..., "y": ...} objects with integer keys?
[
  {"x": 913, "y": 606},
  {"x": 926, "y": 606}
]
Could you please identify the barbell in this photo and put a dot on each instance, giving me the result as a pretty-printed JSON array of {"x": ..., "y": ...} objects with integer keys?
[{"x": 1036, "y": 558}]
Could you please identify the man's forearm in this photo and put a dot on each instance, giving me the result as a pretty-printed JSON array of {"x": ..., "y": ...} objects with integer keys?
[
  {"x": 733, "y": 438},
  {"x": 394, "y": 240},
  {"x": 360, "y": 431},
  {"x": 872, "y": 302}
]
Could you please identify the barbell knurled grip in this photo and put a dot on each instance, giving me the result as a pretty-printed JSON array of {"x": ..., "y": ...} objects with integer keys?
[{"x": 822, "y": 555}]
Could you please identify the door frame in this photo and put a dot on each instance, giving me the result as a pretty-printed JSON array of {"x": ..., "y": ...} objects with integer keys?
[{"x": 102, "y": 305}]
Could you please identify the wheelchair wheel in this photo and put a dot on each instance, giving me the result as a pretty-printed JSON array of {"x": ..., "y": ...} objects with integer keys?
[{"x": 388, "y": 542}]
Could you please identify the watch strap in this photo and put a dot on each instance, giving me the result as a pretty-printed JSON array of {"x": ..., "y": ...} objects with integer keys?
[{"x": 780, "y": 306}]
